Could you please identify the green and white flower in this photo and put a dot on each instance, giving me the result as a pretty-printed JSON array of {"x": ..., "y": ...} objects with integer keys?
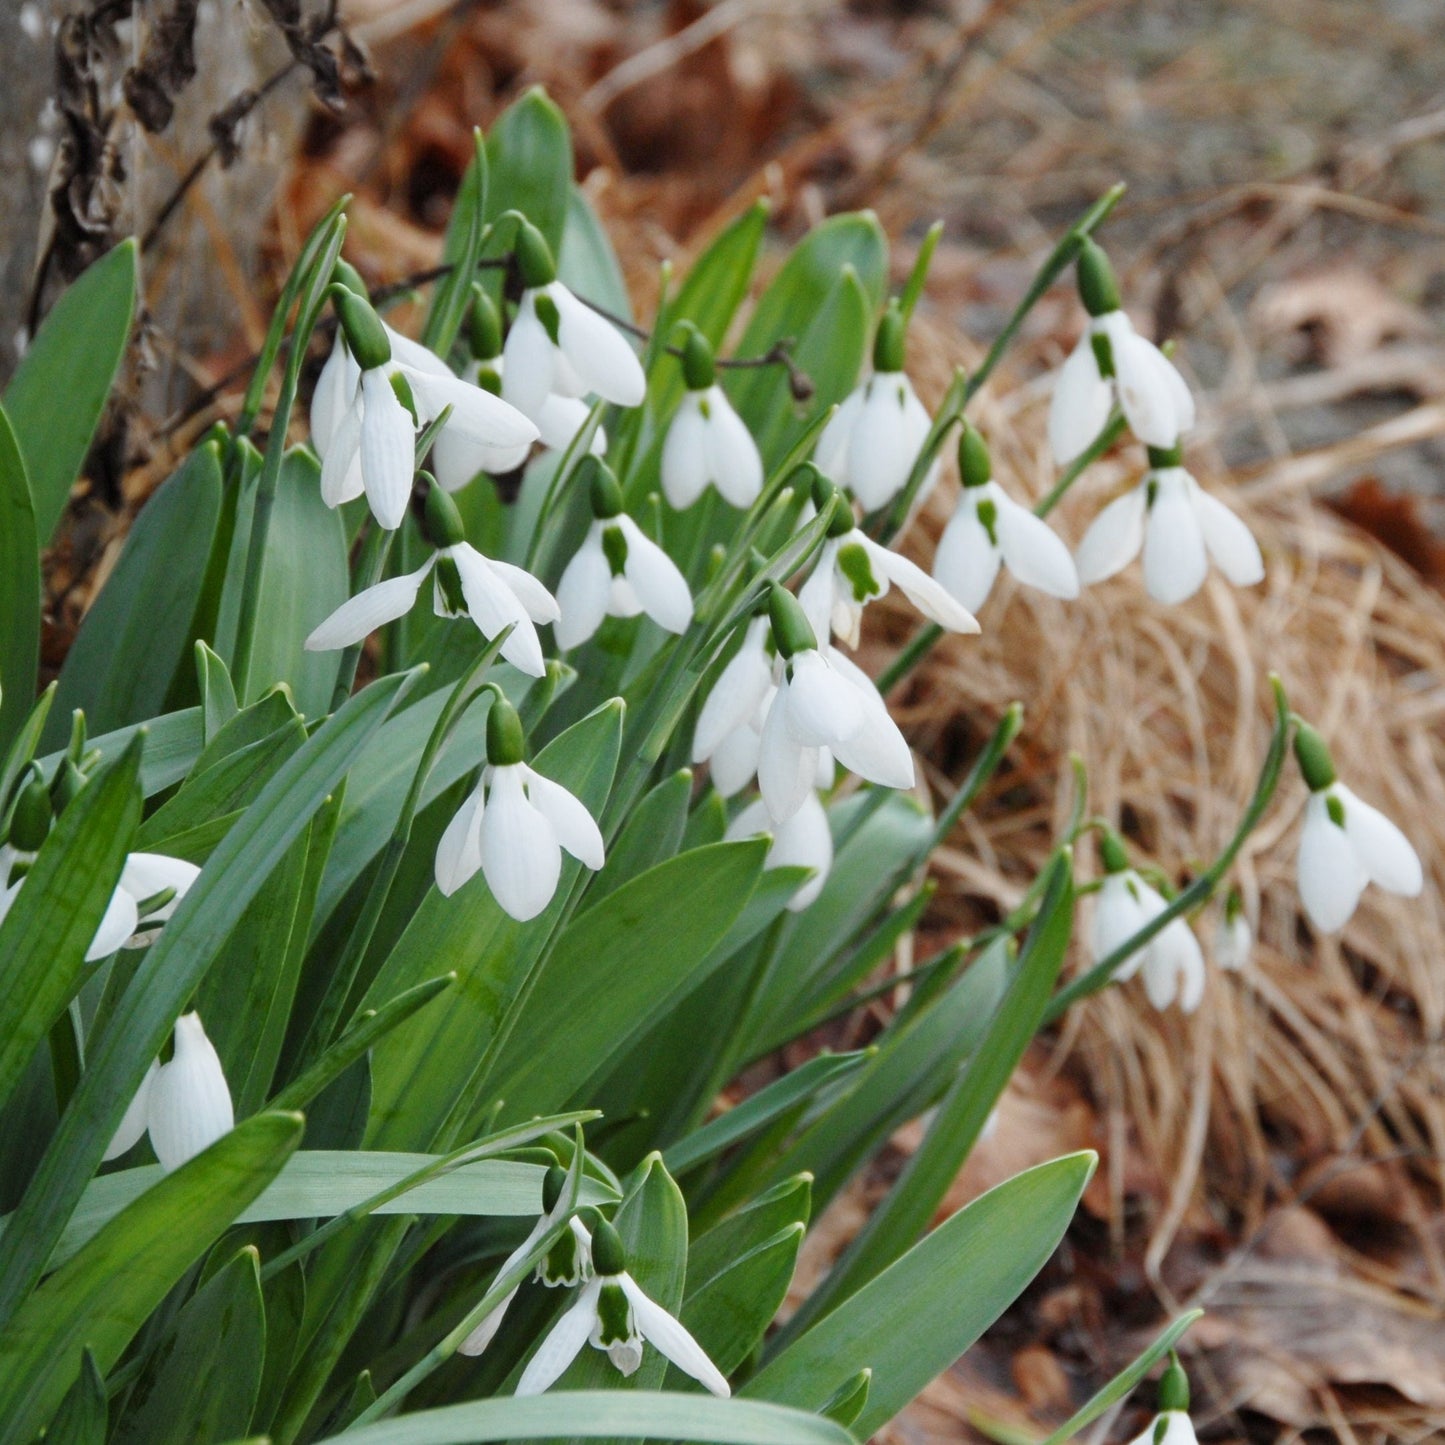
[{"x": 708, "y": 443}]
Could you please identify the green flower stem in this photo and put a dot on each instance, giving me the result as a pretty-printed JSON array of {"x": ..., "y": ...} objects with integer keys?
[
  {"x": 1113, "y": 430},
  {"x": 306, "y": 317},
  {"x": 578, "y": 448},
  {"x": 887, "y": 523},
  {"x": 375, "y": 548},
  {"x": 914, "y": 651},
  {"x": 1203, "y": 887}
]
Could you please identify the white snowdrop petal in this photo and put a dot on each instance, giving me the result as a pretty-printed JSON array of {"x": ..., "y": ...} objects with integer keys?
[
  {"x": 1233, "y": 942},
  {"x": 116, "y": 925},
  {"x": 882, "y": 448},
  {"x": 654, "y": 576},
  {"x": 831, "y": 454},
  {"x": 931, "y": 598},
  {"x": 563, "y": 1343},
  {"x": 529, "y": 360},
  {"x": 538, "y": 603},
  {"x": 486, "y": 1330},
  {"x": 878, "y": 751},
  {"x": 493, "y": 605},
  {"x": 1174, "y": 968},
  {"x": 1330, "y": 874},
  {"x": 1033, "y": 551},
  {"x": 575, "y": 828},
  {"x": 560, "y": 418},
  {"x": 785, "y": 766},
  {"x": 1231, "y": 544},
  {"x": 805, "y": 841},
  {"x": 1124, "y": 905},
  {"x": 597, "y": 351},
  {"x": 671, "y": 1339},
  {"x": 1383, "y": 850},
  {"x": 367, "y": 611},
  {"x": 190, "y": 1104},
  {"x": 583, "y": 592},
  {"x": 753, "y": 821},
  {"x": 341, "y": 463},
  {"x": 388, "y": 449},
  {"x": 822, "y": 706},
  {"x": 818, "y": 596},
  {"x": 1175, "y": 562},
  {"x": 495, "y": 430},
  {"x": 734, "y": 761},
  {"x": 684, "y": 455},
  {"x": 415, "y": 356},
  {"x": 334, "y": 389},
  {"x": 459, "y": 852},
  {"x": 520, "y": 854},
  {"x": 1113, "y": 539},
  {"x": 967, "y": 561},
  {"x": 146, "y": 874},
  {"x": 734, "y": 462},
  {"x": 1080, "y": 404},
  {"x": 134, "y": 1120},
  {"x": 736, "y": 695},
  {"x": 1147, "y": 395},
  {"x": 1178, "y": 1429}
]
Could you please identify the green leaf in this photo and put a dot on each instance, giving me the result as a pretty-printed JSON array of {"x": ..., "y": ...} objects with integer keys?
[
  {"x": 83, "y": 1416},
  {"x": 731, "y": 1312},
  {"x": 529, "y": 160},
  {"x": 173, "y": 742},
  {"x": 169, "y": 974},
  {"x": 594, "y": 1413},
  {"x": 203, "y": 1380},
  {"x": 714, "y": 1251},
  {"x": 651, "y": 834},
  {"x": 717, "y": 282},
  {"x": 104, "y": 1293},
  {"x": 460, "y": 250},
  {"x": 304, "y": 579},
  {"x": 586, "y": 263},
  {"x": 19, "y": 589},
  {"x": 617, "y": 967},
  {"x": 916, "y": 1318},
  {"x": 45, "y": 935},
  {"x": 218, "y": 692},
  {"x": 58, "y": 392}
]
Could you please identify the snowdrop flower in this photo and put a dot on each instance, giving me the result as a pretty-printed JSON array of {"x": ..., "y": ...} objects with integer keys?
[
  {"x": 150, "y": 886},
  {"x": 613, "y": 1315},
  {"x": 185, "y": 1104},
  {"x": 558, "y": 345},
  {"x": 1172, "y": 1425},
  {"x": 822, "y": 702},
  {"x": 1180, "y": 529},
  {"x": 852, "y": 570},
  {"x": 365, "y": 433},
  {"x": 989, "y": 529},
  {"x": 514, "y": 827},
  {"x": 618, "y": 571},
  {"x": 495, "y": 595},
  {"x": 708, "y": 442},
  {"x": 875, "y": 436},
  {"x": 1233, "y": 937},
  {"x": 1113, "y": 361},
  {"x": 804, "y": 840},
  {"x": 1172, "y": 963},
  {"x": 573, "y": 1250},
  {"x": 1345, "y": 843}
]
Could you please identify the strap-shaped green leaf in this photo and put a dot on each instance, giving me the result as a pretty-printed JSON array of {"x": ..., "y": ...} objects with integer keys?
[{"x": 19, "y": 589}]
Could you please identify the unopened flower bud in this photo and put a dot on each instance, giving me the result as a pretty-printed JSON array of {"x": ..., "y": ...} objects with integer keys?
[
  {"x": 1174, "y": 1387},
  {"x": 365, "y": 334},
  {"x": 699, "y": 370},
  {"x": 65, "y": 788},
  {"x": 504, "y": 735},
  {"x": 1313, "y": 757},
  {"x": 1112, "y": 852},
  {"x": 974, "y": 465},
  {"x": 1098, "y": 289},
  {"x": 604, "y": 491},
  {"x": 889, "y": 342},
  {"x": 30, "y": 821},
  {"x": 792, "y": 632},
  {"x": 534, "y": 257},
  {"x": 442, "y": 521}
]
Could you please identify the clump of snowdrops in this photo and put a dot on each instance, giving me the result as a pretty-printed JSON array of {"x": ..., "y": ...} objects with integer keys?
[{"x": 449, "y": 794}]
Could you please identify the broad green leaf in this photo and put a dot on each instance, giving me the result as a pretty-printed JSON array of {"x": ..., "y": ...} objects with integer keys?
[
  {"x": 617, "y": 967},
  {"x": 717, "y": 281},
  {"x": 103, "y": 1294},
  {"x": 19, "y": 589},
  {"x": 651, "y": 834},
  {"x": 586, "y": 263},
  {"x": 203, "y": 1380},
  {"x": 218, "y": 692},
  {"x": 731, "y": 1312},
  {"x": 529, "y": 163},
  {"x": 917, "y": 1317},
  {"x": 173, "y": 742},
  {"x": 167, "y": 978},
  {"x": 304, "y": 579},
  {"x": 51, "y": 924},
  {"x": 84, "y": 1412},
  {"x": 139, "y": 632},
  {"x": 594, "y": 1413},
  {"x": 713, "y": 1252},
  {"x": 58, "y": 392},
  {"x": 284, "y": 1296},
  {"x": 25, "y": 744}
]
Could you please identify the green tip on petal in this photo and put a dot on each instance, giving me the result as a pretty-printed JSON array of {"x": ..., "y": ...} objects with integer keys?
[
  {"x": 699, "y": 370},
  {"x": 1098, "y": 289},
  {"x": 30, "y": 822},
  {"x": 1174, "y": 1387},
  {"x": 504, "y": 734},
  {"x": 554, "y": 1183},
  {"x": 534, "y": 257},
  {"x": 484, "y": 326},
  {"x": 890, "y": 341},
  {"x": 1313, "y": 758},
  {"x": 365, "y": 334},
  {"x": 345, "y": 274},
  {"x": 974, "y": 465},
  {"x": 1112, "y": 851},
  {"x": 792, "y": 632},
  {"x": 1161, "y": 457},
  {"x": 604, "y": 491},
  {"x": 443, "y": 522},
  {"x": 608, "y": 1256}
]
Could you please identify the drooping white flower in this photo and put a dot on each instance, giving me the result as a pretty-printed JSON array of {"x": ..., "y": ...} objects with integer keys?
[
  {"x": 613, "y": 1315},
  {"x": 1112, "y": 361},
  {"x": 618, "y": 571},
  {"x": 802, "y": 841},
  {"x": 989, "y": 529},
  {"x": 514, "y": 826},
  {"x": 852, "y": 570},
  {"x": 465, "y": 583},
  {"x": 185, "y": 1103},
  {"x": 1180, "y": 528},
  {"x": 1172, "y": 963},
  {"x": 874, "y": 438},
  {"x": 560, "y": 346},
  {"x": 823, "y": 701},
  {"x": 366, "y": 436},
  {"x": 1233, "y": 937},
  {"x": 1345, "y": 843},
  {"x": 708, "y": 443}
]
